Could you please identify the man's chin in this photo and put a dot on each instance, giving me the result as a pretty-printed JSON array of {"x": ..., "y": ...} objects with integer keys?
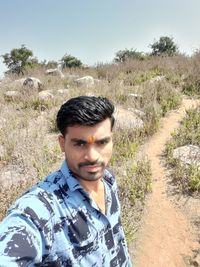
[{"x": 92, "y": 176}]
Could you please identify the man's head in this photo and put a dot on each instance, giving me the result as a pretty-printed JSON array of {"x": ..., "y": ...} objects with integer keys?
[
  {"x": 84, "y": 110},
  {"x": 86, "y": 126}
]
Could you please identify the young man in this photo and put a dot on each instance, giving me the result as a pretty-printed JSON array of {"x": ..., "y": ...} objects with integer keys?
[{"x": 72, "y": 217}]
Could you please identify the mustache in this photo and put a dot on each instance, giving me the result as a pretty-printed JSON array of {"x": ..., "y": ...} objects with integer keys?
[{"x": 91, "y": 163}]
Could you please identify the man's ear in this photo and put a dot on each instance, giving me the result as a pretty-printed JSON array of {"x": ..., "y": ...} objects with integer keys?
[{"x": 61, "y": 140}]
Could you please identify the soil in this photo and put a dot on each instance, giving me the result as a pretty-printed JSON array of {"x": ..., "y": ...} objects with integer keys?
[{"x": 167, "y": 237}]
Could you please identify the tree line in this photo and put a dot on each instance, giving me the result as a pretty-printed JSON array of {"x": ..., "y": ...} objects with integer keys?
[{"x": 19, "y": 59}]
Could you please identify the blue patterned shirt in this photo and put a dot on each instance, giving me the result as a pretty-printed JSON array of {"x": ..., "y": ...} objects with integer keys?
[{"x": 56, "y": 224}]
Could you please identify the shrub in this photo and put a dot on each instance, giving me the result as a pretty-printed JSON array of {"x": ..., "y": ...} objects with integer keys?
[
  {"x": 165, "y": 46},
  {"x": 185, "y": 177},
  {"x": 69, "y": 61},
  {"x": 19, "y": 59}
]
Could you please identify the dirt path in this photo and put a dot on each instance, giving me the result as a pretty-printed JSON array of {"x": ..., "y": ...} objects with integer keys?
[{"x": 164, "y": 239}]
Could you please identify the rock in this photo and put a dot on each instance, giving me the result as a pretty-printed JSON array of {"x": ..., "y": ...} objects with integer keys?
[
  {"x": 33, "y": 82},
  {"x": 126, "y": 119},
  {"x": 55, "y": 72},
  {"x": 135, "y": 96},
  {"x": 137, "y": 112},
  {"x": 45, "y": 95},
  {"x": 10, "y": 175},
  {"x": 86, "y": 81},
  {"x": 11, "y": 95},
  {"x": 17, "y": 83},
  {"x": 188, "y": 154},
  {"x": 63, "y": 91}
]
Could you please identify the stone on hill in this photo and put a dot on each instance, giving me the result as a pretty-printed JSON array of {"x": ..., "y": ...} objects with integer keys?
[
  {"x": 33, "y": 82},
  {"x": 86, "y": 81},
  {"x": 127, "y": 119},
  {"x": 188, "y": 154},
  {"x": 55, "y": 72},
  {"x": 45, "y": 95},
  {"x": 11, "y": 95},
  {"x": 63, "y": 91},
  {"x": 17, "y": 83}
]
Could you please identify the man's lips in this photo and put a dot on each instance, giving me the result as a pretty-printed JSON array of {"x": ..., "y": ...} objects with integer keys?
[{"x": 91, "y": 167}]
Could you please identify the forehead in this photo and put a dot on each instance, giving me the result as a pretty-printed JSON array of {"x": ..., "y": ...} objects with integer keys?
[{"x": 99, "y": 130}]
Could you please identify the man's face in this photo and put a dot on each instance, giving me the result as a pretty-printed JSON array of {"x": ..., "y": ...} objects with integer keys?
[{"x": 88, "y": 149}]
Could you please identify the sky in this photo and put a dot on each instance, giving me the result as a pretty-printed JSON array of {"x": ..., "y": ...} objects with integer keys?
[{"x": 95, "y": 30}]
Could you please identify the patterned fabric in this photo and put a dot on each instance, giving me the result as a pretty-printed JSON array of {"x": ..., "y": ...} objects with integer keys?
[{"x": 57, "y": 224}]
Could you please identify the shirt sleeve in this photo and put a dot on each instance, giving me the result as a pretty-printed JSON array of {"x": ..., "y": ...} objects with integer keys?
[{"x": 20, "y": 241}]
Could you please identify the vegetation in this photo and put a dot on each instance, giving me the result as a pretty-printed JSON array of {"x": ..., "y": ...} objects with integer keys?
[
  {"x": 124, "y": 55},
  {"x": 69, "y": 61},
  {"x": 186, "y": 177},
  {"x": 165, "y": 46},
  {"x": 19, "y": 59},
  {"x": 149, "y": 88}
]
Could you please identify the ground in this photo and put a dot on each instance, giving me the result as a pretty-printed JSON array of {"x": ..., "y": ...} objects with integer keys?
[{"x": 166, "y": 237}]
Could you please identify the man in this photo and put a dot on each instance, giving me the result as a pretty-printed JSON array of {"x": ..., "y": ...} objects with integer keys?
[{"x": 72, "y": 217}]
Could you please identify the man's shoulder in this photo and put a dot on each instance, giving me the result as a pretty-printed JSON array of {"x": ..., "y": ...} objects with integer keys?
[{"x": 40, "y": 198}]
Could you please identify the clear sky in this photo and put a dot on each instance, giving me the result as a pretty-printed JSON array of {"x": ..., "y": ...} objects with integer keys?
[{"x": 94, "y": 30}]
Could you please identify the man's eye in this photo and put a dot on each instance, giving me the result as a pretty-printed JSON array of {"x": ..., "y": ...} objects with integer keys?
[
  {"x": 79, "y": 144},
  {"x": 103, "y": 142}
]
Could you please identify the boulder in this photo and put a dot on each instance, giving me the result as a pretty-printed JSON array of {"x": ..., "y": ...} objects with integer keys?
[
  {"x": 55, "y": 72},
  {"x": 137, "y": 112},
  {"x": 63, "y": 91},
  {"x": 33, "y": 82},
  {"x": 11, "y": 95},
  {"x": 17, "y": 83},
  {"x": 189, "y": 154},
  {"x": 126, "y": 119},
  {"x": 86, "y": 81},
  {"x": 45, "y": 95}
]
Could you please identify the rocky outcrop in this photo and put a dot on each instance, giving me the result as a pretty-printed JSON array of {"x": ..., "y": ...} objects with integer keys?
[
  {"x": 189, "y": 154},
  {"x": 127, "y": 119},
  {"x": 12, "y": 95}
]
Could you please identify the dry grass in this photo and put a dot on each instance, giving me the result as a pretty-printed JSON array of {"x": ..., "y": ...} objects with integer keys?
[{"x": 28, "y": 132}]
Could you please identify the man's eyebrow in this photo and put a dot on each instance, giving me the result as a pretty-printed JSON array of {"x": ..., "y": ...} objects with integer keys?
[
  {"x": 106, "y": 138},
  {"x": 78, "y": 140}
]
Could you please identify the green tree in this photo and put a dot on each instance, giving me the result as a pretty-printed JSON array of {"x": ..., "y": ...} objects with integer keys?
[
  {"x": 69, "y": 61},
  {"x": 124, "y": 55},
  {"x": 165, "y": 46},
  {"x": 19, "y": 59}
]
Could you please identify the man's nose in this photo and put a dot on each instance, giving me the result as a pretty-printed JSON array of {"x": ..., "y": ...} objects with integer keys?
[{"x": 92, "y": 153}]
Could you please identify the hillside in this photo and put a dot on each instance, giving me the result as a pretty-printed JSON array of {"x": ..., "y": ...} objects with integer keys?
[{"x": 149, "y": 97}]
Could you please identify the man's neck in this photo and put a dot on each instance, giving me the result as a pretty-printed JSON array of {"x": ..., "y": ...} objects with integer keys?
[{"x": 92, "y": 186}]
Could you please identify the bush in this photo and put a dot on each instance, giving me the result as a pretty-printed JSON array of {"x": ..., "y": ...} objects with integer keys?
[
  {"x": 19, "y": 59},
  {"x": 185, "y": 177},
  {"x": 69, "y": 61},
  {"x": 165, "y": 46}
]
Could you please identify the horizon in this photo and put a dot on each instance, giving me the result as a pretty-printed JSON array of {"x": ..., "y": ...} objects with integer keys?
[{"x": 95, "y": 31}]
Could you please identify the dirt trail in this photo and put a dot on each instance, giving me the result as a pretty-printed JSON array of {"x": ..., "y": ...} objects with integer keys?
[{"x": 164, "y": 239}]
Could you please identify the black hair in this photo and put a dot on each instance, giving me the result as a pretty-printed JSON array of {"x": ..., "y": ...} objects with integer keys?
[{"x": 84, "y": 110}]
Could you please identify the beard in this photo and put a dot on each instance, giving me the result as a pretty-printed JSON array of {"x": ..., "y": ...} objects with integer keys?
[{"x": 89, "y": 171}]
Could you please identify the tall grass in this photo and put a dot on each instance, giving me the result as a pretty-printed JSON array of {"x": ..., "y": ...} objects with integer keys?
[
  {"x": 185, "y": 177},
  {"x": 28, "y": 132}
]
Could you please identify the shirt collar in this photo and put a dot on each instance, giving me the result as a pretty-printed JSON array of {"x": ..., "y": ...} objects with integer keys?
[{"x": 72, "y": 182}]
